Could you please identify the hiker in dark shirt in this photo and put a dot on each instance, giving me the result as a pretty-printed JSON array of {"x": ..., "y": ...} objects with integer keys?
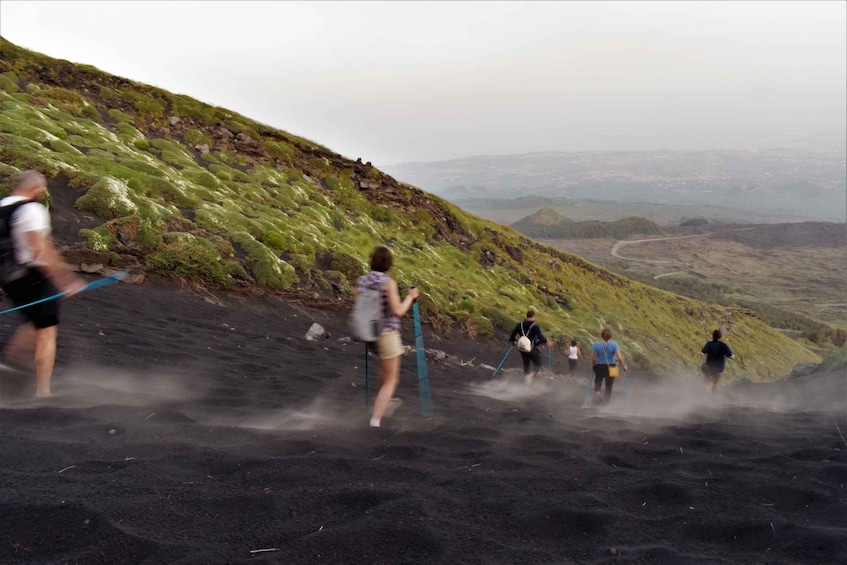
[
  {"x": 529, "y": 328},
  {"x": 716, "y": 352}
]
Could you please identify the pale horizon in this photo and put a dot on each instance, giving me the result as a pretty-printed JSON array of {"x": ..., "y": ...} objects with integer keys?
[{"x": 430, "y": 81}]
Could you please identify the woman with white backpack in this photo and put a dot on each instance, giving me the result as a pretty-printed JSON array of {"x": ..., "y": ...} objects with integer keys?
[{"x": 527, "y": 336}]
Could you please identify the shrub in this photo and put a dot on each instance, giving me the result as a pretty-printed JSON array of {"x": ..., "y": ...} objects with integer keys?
[
  {"x": 144, "y": 103},
  {"x": 498, "y": 319},
  {"x": 274, "y": 240},
  {"x": 203, "y": 178},
  {"x": 196, "y": 137},
  {"x": 280, "y": 150},
  {"x": 99, "y": 239},
  {"x": 9, "y": 82},
  {"x": 62, "y": 147},
  {"x": 108, "y": 198},
  {"x": 479, "y": 326},
  {"x": 120, "y": 117},
  {"x": 349, "y": 266},
  {"x": 66, "y": 100},
  {"x": 191, "y": 258},
  {"x": 91, "y": 113}
]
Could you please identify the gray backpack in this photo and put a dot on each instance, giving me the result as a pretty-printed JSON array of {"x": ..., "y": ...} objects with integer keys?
[{"x": 367, "y": 317}]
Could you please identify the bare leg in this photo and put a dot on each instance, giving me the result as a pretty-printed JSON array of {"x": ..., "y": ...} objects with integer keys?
[
  {"x": 45, "y": 357},
  {"x": 389, "y": 377},
  {"x": 20, "y": 350},
  {"x": 715, "y": 382}
]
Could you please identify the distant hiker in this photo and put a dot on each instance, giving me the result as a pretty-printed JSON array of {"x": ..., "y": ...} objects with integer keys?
[
  {"x": 37, "y": 271},
  {"x": 605, "y": 355},
  {"x": 715, "y": 351},
  {"x": 527, "y": 336},
  {"x": 388, "y": 347},
  {"x": 574, "y": 355}
]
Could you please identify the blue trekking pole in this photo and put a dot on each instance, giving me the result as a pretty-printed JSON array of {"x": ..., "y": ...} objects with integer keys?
[
  {"x": 549, "y": 364},
  {"x": 497, "y": 370},
  {"x": 367, "y": 395},
  {"x": 99, "y": 283},
  {"x": 588, "y": 392},
  {"x": 732, "y": 366},
  {"x": 423, "y": 377}
]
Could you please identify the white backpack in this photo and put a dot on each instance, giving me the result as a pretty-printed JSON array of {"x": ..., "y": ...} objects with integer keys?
[
  {"x": 524, "y": 343},
  {"x": 367, "y": 317}
]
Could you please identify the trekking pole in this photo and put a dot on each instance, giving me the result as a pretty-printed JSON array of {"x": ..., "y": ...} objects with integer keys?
[
  {"x": 732, "y": 366},
  {"x": 625, "y": 394},
  {"x": 423, "y": 376},
  {"x": 497, "y": 370},
  {"x": 367, "y": 401},
  {"x": 588, "y": 392},
  {"x": 549, "y": 364}
]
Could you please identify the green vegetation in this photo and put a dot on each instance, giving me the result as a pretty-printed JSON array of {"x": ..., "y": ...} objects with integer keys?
[
  {"x": 808, "y": 328},
  {"x": 549, "y": 224},
  {"x": 275, "y": 212},
  {"x": 693, "y": 222}
]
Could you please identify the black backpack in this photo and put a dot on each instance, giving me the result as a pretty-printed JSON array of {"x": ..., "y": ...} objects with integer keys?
[{"x": 10, "y": 268}]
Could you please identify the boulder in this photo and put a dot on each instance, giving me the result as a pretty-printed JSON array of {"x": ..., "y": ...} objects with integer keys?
[
  {"x": 803, "y": 369},
  {"x": 316, "y": 332},
  {"x": 91, "y": 267}
]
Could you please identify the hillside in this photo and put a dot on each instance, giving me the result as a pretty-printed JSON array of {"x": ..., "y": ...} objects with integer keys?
[
  {"x": 547, "y": 223},
  {"x": 179, "y": 188}
]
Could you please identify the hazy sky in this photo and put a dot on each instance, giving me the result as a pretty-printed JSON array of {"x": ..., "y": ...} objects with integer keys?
[{"x": 423, "y": 81}]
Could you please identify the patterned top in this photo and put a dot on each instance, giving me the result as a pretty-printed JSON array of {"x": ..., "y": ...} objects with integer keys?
[{"x": 390, "y": 322}]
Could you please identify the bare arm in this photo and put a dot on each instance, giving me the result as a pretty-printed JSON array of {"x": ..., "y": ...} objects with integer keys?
[
  {"x": 51, "y": 264},
  {"x": 620, "y": 359},
  {"x": 398, "y": 307},
  {"x": 593, "y": 357}
]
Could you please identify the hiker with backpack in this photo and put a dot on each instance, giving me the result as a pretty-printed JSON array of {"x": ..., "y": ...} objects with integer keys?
[
  {"x": 527, "y": 336},
  {"x": 385, "y": 326},
  {"x": 605, "y": 356},
  {"x": 716, "y": 352},
  {"x": 30, "y": 270}
]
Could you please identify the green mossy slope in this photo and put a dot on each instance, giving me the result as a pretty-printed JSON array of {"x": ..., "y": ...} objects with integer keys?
[{"x": 206, "y": 195}]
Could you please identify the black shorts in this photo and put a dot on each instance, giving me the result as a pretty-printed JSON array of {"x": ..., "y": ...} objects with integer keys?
[
  {"x": 32, "y": 287},
  {"x": 533, "y": 357},
  {"x": 711, "y": 372}
]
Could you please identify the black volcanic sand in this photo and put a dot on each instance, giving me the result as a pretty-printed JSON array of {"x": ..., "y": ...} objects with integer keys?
[{"x": 187, "y": 429}]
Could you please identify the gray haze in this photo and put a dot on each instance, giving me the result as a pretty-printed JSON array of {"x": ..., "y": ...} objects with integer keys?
[{"x": 421, "y": 81}]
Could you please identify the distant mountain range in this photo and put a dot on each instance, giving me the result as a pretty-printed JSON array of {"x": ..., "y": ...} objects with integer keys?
[
  {"x": 806, "y": 178},
  {"x": 549, "y": 224}
]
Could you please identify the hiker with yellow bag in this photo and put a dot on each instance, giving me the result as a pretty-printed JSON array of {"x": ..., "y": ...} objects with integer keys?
[{"x": 606, "y": 355}]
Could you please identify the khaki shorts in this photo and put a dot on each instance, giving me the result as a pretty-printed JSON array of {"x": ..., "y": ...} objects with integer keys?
[{"x": 389, "y": 345}]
